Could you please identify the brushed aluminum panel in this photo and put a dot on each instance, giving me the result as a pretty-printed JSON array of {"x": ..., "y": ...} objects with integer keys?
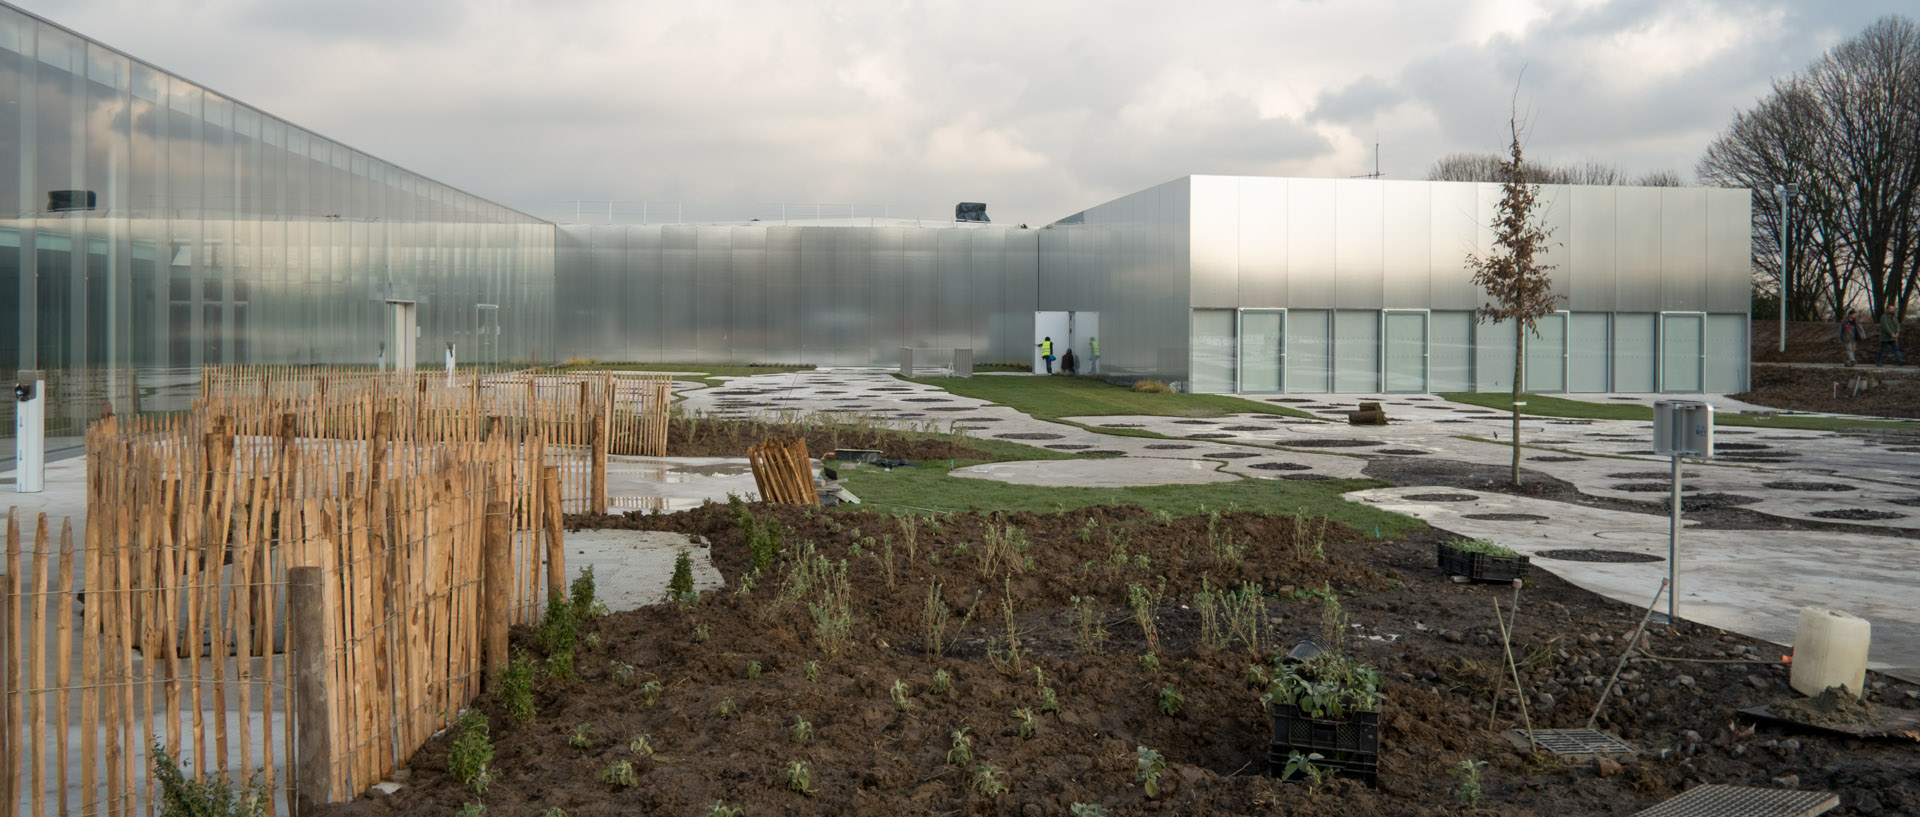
[
  {"x": 1729, "y": 251},
  {"x": 817, "y": 258},
  {"x": 1636, "y": 242},
  {"x": 1020, "y": 294},
  {"x": 1590, "y": 248},
  {"x": 1455, "y": 234},
  {"x": 1683, "y": 249},
  {"x": 987, "y": 269},
  {"x": 1358, "y": 253},
  {"x": 1263, "y": 242},
  {"x": 713, "y": 248},
  {"x": 747, "y": 296},
  {"x": 951, "y": 289},
  {"x": 1214, "y": 221},
  {"x": 1555, "y": 215},
  {"x": 645, "y": 272},
  {"x": 922, "y": 266},
  {"x": 783, "y": 296},
  {"x": 1406, "y": 244},
  {"x": 853, "y": 300},
  {"x": 887, "y": 271},
  {"x": 1310, "y": 243},
  {"x": 1213, "y": 351}
]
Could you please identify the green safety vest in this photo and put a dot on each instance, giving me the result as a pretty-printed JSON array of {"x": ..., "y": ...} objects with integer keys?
[{"x": 1046, "y": 347}]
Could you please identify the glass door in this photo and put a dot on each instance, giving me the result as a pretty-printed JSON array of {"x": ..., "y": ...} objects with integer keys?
[
  {"x": 1682, "y": 344},
  {"x": 1404, "y": 352},
  {"x": 1263, "y": 350}
]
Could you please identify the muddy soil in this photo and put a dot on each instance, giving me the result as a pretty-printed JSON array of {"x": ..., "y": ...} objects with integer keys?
[
  {"x": 1435, "y": 642},
  {"x": 713, "y": 437},
  {"x": 1819, "y": 341},
  {"x": 1886, "y": 391}
]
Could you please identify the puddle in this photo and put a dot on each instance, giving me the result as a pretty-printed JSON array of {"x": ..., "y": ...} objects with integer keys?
[{"x": 719, "y": 469}]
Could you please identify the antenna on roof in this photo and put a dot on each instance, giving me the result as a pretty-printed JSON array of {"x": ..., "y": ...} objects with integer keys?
[{"x": 1376, "y": 164}]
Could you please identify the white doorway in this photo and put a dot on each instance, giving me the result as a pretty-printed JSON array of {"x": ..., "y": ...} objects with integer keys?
[
  {"x": 1055, "y": 325},
  {"x": 1083, "y": 328},
  {"x": 406, "y": 331}
]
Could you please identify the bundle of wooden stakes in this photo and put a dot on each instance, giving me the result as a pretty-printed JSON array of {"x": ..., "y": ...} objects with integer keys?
[
  {"x": 1370, "y": 414},
  {"x": 782, "y": 472}
]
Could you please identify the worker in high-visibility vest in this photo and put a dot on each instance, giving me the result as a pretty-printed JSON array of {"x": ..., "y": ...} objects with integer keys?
[
  {"x": 1093, "y": 357},
  {"x": 1046, "y": 352}
]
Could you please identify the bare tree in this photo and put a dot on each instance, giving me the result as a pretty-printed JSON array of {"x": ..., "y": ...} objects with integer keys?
[
  {"x": 1513, "y": 274},
  {"x": 1488, "y": 167}
]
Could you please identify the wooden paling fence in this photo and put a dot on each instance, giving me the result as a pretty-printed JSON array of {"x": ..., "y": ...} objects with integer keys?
[
  {"x": 165, "y": 622},
  {"x": 782, "y": 472}
]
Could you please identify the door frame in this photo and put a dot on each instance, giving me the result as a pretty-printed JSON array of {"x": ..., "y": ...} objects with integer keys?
[
  {"x": 1660, "y": 352},
  {"x": 1426, "y": 350},
  {"x": 1240, "y": 346}
]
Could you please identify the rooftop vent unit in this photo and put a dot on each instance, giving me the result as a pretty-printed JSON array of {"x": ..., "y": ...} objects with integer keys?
[{"x": 975, "y": 211}]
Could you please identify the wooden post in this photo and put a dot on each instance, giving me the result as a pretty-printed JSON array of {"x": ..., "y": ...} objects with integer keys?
[
  {"x": 377, "y": 452},
  {"x": 599, "y": 487},
  {"x": 556, "y": 553},
  {"x": 7, "y": 793},
  {"x": 306, "y": 640},
  {"x": 499, "y": 586}
]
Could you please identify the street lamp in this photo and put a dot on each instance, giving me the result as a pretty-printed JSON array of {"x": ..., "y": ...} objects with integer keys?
[{"x": 1785, "y": 193}]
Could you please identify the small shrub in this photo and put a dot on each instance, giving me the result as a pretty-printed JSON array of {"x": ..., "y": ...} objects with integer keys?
[
  {"x": 554, "y": 811},
  {"x": 833, "y": 613},
  {"x": 1481, "y": 546},
  {"x": 620, "y": 773},
  {"x": 962, "y": 752},
  {"x": 1087, "y": 810},
  {"x": 701, "y": 632},
  {"x": 559, "y": 629},
  {"x": 471, "y": 752},
  {"x": 680, "y": 587},
  {"x": 1049, "y": 700},
  {"x": 986, "y": 781},
  {"x": 560, "y": 666},
  {"x": 812, "y": 671},
  {"x": 726, "y": 709},
  {"x": 468, "y": 810},
  {"x": 753, "y": 670},
  {"x": 1028, "y": 724},
  {"x": 933, "y": 622},
  {"x": 516, "y": 687},
  {"x": 1149, "y": 767},
  {"x": 941, "y": 682},
  {"x": 800, "y": 777},
  {"x": 1144, "y": 602},
  {"x": 1090, "y": 625},
  {"x": 1468, "y": 789},
  {"x": 1171, "y": 702},
  {"x": 719, "y": 809},
  {"x": 580, "y": 736},
  {"x": 1149, "y": 662},
  {"x": 650, "y": 692},
  {"x": 802, "y": 730},
  {"x": 641, "y": 744},
  {"x": 585, "y": 606},
  {"x": 898, "y": 692},
  {"x": 1316, "y": 774},
  {"x": 213, "y": 796},
  {"x": 1151, "y": 387},
  {"x": 621, "y": 672}
]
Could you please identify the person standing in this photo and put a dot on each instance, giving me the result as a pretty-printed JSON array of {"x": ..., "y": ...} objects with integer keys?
[
  {"x": 1046, "y": 352},
  {"x": 1093, "y": 355},
  {"x": 1889, "y": 339},
  {"x": 1850, "y": 336}
]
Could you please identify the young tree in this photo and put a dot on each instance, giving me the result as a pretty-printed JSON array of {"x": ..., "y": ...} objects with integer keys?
[{"x": 1513, "y": 274}]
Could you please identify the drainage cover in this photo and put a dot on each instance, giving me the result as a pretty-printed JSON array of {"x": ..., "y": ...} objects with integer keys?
[
  {"x": 1572, "y": 744},
  {"x": 1717, "y": 800},
  {"x": 1592, "y": 555}
]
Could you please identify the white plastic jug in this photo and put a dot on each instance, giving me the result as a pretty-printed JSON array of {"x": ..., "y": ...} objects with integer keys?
[{"x": 1830, "y": 650}]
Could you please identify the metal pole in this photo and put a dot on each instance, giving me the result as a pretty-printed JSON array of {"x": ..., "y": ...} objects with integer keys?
[
  {"x": 1780, "y": 190},
  {"x": 1673, "y": 549}
]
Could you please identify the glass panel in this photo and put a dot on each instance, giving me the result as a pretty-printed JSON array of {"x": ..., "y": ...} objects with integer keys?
[
  {"x": 1406, "y": 353},
  {"x": 1634, "y": 337},
  {"x": 1547, "y": 354},
  {"x": 1680, "y": 352},
  {"x": 1356, "y": 344},
  {"x": 1309, "y": 352},
  {"x": 1587, "y": 352},
  {"x": 1213, "y": 355},
  {"x": 1261, "y": 352},
  {"x": 1493, "y": 345},
  {"x": 1726, "y": 353},
  {"x": 1450, "y": 351}
]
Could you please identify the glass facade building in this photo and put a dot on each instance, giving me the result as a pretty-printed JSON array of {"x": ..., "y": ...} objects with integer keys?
[{"x": 162, "y": 226}]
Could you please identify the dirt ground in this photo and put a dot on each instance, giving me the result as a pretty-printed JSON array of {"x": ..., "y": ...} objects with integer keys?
[
  {"x": 1880, "y": 391},
  {"x": 1436, "y": 643},
  {"x": 1819, "y": 342}
]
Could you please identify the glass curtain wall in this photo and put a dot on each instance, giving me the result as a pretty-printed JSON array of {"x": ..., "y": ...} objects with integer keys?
[{"x": 160, "y": 226}]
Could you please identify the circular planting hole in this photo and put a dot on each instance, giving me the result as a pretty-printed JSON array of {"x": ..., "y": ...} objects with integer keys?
[
  {"x": 1168, "y": 446},
  {"x": 1294, "y": 466},
  {"x": 1453, "y": 421},
  {"x": 1289, "y": 400},
  {"x": 1769, "y": 456},
  {"x": 1313, "y": 442},
  {"x": 1592, "y": 555},
  {"x": 1194, "y": 422},
  {"x": 1405, "y": 452},
  {"x": 1249, "y": 428},
  {"x": 1650, "y": 475},
  {"x": 1507, "y": 517},
  {"x": 1030, "y": 435},
  {"x": 1709, "y": 501},
  {"x": 925, "y": 400},
  {"x": 1911, "y": 502},
  {"x": 1209, "y": 436},
  {"x": 1107, "y": 452},
  {"x": 1230, "y": 455},
  {"x": 1556, "y": 459},
  {"x": 1648, "y": 487},
  {"x": 1443, "y": 497},
  {"x": 1638, "y": 453},
  {"x": 1905, "y": 449},
  {"x": 1789, "y": 485},
  {"x": 1311, "y": 477},
  {"x": 981, "y": 419},
  {"x": 1122, "y": 425},
  {"x": 951, "y": 408},
  {"x": 1857, "y": 513},
  {"x": 1571, "y": 422},
  {"x": 1741, "y": 446},
  {"x": 1068, "y": 447}
]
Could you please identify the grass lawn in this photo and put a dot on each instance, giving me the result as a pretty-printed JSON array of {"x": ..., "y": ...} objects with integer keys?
[
  {"x": 1540, "y": 405},
  {"x": 708, "y": 370},
  {"x": 929, "y": 488},
  {"x": 1056, "y": 398}
]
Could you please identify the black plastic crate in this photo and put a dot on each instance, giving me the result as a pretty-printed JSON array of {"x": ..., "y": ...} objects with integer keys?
[
  {"x": 1350, "y": 746},
  {"x": 1481, "y": 567}
]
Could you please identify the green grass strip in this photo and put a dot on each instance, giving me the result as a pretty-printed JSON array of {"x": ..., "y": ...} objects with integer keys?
[
  {"x": 1539, "y": 405},
  {"x": 1058, "y": 397}
]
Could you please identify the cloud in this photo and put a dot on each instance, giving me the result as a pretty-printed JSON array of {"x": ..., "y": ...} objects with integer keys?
[{"x": 1041, "y": 109}]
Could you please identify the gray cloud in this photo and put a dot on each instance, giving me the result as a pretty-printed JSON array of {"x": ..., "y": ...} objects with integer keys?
[{"x": 1040, "y": 109}]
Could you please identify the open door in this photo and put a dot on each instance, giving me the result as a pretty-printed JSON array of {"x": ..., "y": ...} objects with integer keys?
[
  {"x": 1056, "y": 325},
  {"x": 1083, "y": 328}
]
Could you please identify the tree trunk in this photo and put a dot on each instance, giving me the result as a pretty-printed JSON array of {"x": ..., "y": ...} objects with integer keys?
[{"x": 1519, "y": 371}]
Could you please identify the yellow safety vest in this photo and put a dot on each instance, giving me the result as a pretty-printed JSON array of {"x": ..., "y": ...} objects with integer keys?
[
  {"x": 1096, "y": 347},
  {"x": 1046, "y": 347}
]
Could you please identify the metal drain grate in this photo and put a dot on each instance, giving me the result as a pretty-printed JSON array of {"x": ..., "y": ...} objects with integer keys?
[
  {"x": 1573, "y": 743},
  {"x": 1716, "y": 800}
]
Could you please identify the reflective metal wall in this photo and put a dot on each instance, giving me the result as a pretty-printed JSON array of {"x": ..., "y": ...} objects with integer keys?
[
  {"x": 220, "y": 234},
  {"x": 830, "y": 296},
  {"x": 1351, "y": 248}
]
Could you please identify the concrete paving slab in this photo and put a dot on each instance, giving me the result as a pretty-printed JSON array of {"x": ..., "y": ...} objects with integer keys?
[{"x": 1114, "y": 473}]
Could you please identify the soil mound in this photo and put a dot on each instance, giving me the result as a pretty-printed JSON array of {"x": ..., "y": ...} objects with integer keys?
[{"x": 1834, "y": 706}]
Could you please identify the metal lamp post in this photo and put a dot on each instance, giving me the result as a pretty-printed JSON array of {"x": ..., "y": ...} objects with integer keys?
[{"x": 1785, "y": 193}]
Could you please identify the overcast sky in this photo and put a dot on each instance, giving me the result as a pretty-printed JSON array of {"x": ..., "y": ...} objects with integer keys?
[{"x": 1039, "y": 108}]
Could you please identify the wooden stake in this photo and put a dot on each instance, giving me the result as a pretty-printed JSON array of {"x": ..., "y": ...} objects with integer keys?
[
  {"x": 499, "y": 586},
  {"x": 306, "y": 643}
]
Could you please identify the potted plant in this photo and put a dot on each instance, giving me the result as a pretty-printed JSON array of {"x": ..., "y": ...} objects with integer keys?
[
  {"x": 1326, "y": 708},
  {"x": 1481, "y": 560}
]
